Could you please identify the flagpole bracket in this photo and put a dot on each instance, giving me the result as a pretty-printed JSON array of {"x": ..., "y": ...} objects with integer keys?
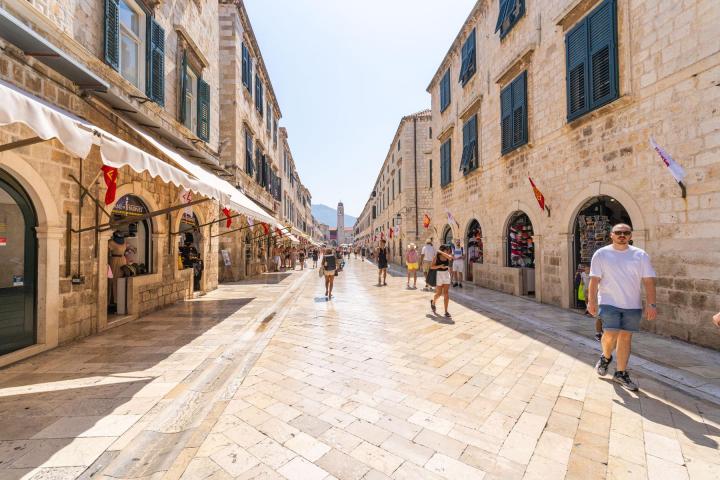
[{"x": 683, "y": 189}]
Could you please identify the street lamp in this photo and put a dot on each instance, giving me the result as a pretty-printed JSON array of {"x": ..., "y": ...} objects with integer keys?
[{"x": 398, "y": 219}]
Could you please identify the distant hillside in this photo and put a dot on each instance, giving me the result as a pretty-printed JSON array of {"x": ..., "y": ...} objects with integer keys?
[{"x": 328, "y": 216}]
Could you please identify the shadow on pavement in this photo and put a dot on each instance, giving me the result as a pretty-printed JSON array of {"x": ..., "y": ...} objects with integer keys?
[{"x": 271, "y": 278}]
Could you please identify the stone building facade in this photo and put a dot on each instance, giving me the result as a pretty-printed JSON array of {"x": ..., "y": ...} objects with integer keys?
[
  {"x": 139, "y": 84},
  {"x": 402, "y": 194},
  {"x": 569, "y": 93},
  {"x": 296, "y": 199}
]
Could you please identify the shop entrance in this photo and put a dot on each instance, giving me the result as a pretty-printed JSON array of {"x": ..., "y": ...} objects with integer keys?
[
  {"x": 248, "y": 254},
  {"x": 129, "y": 250},
  {"x": 474, "y": 245},
  {"x": 592, "y": 231},
  {"x": 521, "y": 250},
  {"x": 190, "y": 247},
  {"x": 18, "y": 258}
]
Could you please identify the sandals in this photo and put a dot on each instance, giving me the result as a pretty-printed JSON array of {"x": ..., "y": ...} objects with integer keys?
[
  {"x": 447, "y": 315},
  {"x": 432, "y": 306}
]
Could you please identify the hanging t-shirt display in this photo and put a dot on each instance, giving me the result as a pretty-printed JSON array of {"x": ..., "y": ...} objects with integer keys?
[{"x": 522, "y": 249}]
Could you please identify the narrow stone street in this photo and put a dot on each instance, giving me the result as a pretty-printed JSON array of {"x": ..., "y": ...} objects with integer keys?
[{"x": 266, "y": 379}]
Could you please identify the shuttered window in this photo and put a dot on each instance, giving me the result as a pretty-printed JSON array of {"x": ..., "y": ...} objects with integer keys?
[
  {"x": 445, "y": 164},
  {"x": 246, "y": 68},
  {"x": 468, "y": 65},
  {"x": 591, "y": 61},
  {"x": 156, "y": 62},
  {"x": 258, "y": 164},
  {"x": 112, "y": 33},
  {"x": 469, "y": 161},
  {"x": 445, "y": 91},
  {"x": 259, "y": 101},
  {"x": 509, "y": 13},
  {"x": 249, "y": 164},
  {"x": 513, "y": 114},
  {"x": 203, "y": 115}
]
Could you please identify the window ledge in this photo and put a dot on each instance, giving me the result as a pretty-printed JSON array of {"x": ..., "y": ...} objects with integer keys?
[
  {"x": 517, "y": 150},
  {"x": 180, "y": 29},
  {"x": 446, "y": 132},
  {"x": 574, "y": 12},
  {"x": 472, "y": 107},
  {"x": 516, "y": 65},
  {"x": 620, "y": 102}
]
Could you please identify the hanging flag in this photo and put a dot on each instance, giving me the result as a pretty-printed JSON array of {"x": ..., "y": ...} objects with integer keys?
[
  {"x": 228, "y": 222},
  {"x": 250, "y": 221},
  {"x": 186, "y": 196},
  {"x": 426, "y": 221},
  {"x": 391, "y": 232},
  {"x": 266, "y": 228},
  {"x": 538, "y": 195},
  {"x": 675, "y": 169},
  {"x": 397, "y": 230},
  {"x": 110, "y": 175},
  {"x": 451, "y": 219},
  {"x": 278, "y": 232}
]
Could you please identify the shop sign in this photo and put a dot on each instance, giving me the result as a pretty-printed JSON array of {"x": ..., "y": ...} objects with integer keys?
[
  {"x": 129, "y": 206},
  {"x": 226, "y": 257},
  {"x": 18, "y": 281},
  {"x": 3, "y": 241}
]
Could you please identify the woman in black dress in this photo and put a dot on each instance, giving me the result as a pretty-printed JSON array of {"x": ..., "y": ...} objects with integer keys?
[
  {"x": 382, "y": 263},
  {"x": 441, "y": 264},
  {"x": 329, "y": 264}
]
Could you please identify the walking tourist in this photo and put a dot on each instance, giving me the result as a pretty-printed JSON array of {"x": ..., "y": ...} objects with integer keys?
[
  {"x": 382, "y": 263},
  {"x": 427, "y": 254},
  {"x": 301, "y": 258},
  {"x": 362, "y": 253},
  {"x": 458, "y": 266},
  {"x": 617, "y": 272},
  {"x": 277, "y": 259},
  {"x": 329, "y": 265},
  {"x": 314, "y": 257},
  {"x": 441, "y": 264},
  {"x": 411, "y": 259}
]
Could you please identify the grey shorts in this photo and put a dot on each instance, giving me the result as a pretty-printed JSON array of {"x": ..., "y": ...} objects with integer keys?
[{"x": 615, "y": 318}]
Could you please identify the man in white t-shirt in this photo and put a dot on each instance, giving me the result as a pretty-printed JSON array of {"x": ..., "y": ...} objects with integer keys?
[
  {"x": 426, "y": 257},
  {"x": 617, "y": 273}
]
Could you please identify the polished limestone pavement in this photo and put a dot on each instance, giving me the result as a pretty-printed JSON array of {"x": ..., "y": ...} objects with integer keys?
[{"x": 372, "y": 385}]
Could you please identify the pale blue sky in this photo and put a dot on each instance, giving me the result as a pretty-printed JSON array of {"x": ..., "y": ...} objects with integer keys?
[{"x": 345, "y": 72}]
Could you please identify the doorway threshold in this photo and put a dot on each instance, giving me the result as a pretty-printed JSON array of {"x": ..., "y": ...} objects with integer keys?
[{"x": 117, "y": 320}]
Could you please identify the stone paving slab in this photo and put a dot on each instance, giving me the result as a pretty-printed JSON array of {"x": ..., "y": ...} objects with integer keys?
[
  {"x": 371, "y": 385},
  {"x": 63, "y": 410}
]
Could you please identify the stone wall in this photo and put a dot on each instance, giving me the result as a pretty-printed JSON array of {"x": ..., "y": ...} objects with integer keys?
[{"x": 668, "y": 89}]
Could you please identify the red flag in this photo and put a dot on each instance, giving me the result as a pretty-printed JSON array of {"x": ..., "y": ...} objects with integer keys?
[
  {"x": 391, "y": 232},
  {"x": 538, "y": 195},
  {"x": 228, "y": 222},
  {"x": 278, "y": 232},
  {"x": 266, "y": 228},
  {"x": 426, "y": 221},
  {"x": 110, "y": 175}
]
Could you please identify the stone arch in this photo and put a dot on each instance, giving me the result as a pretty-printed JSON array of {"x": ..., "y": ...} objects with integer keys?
[
  {"x": 136, "y": 188},
  {"x": 447, "y": 229},
  {"x": 49, "y": 233}
]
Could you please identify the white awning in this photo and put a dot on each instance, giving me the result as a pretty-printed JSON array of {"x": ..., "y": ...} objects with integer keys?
[
  {"x": 236, "y": 200},
  {"x": 78, "y": 136}
]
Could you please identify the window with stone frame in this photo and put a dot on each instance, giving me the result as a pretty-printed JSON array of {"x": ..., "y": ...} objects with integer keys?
[{"x": 194, "y": 92}]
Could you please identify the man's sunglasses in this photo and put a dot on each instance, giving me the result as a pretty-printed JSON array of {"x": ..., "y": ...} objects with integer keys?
[{"x": 623, "y": 233}]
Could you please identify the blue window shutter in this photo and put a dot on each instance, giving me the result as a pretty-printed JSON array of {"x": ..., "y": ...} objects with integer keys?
[
  {"x": 577, "y": 68},
  {"x": 112, "y": 33},
  {"x": 519, "y": 113},
  {"x": 245, "y": 60},
  {"x": 602, "y": 54},
  {"x": 183, "y": 79},
  {"x": 506, "y": 118},
  {"x": 203, "y": 110},
  {"x": 155, "y": 85}
]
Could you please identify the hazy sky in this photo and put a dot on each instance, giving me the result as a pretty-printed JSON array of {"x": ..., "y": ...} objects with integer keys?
[{"x": 345, "y": 72}]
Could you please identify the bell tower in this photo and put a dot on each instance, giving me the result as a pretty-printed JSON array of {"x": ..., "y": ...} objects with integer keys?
[{"x": 340, "y": 223}]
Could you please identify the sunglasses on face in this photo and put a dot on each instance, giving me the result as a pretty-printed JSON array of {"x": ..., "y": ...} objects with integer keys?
[{"x": 622, "y": 233}]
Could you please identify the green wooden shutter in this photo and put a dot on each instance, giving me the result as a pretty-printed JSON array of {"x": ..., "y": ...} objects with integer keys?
[
  {"x": 183, "y": 80},
  {"x": 112, "y": 33},
  {"x": 473, "y": 143},
  {"x": 203, "y": 110},
  {"x": 506, "y": 119},
  {"x": 602, "y": 54},
  {"x": 576, "y": 68},
  {"x": 155, "y": 85},
  {"x": 519, "y": 112}
]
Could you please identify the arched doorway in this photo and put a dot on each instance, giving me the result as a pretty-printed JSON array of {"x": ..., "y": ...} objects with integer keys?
[
  {"x": 447, "y": 236},
  {"x": 18, "y": 257},
  {"x": 592, "y": 226},
  {"x": 248, "y": 252},
  {"x": 474, "y": 245},
  {"x": 190, "y": 246},
  {"x": 521, "y": 250}
]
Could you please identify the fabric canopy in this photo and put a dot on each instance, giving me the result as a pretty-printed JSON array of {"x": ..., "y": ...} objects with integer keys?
[{"x": 78, "y": 136}]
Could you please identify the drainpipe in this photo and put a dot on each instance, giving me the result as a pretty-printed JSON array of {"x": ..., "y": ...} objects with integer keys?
[{"x": 417, "y": 226}]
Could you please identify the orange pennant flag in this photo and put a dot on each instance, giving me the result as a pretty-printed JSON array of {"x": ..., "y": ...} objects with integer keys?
[
  {"x": 110, "y": 175},
  {"x": 538, "y": 195}
]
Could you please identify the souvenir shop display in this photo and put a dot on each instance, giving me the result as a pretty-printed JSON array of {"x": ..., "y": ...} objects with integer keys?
[
  {"x": 521, "y": 246},
  {"x": 593, "y": 233}
]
